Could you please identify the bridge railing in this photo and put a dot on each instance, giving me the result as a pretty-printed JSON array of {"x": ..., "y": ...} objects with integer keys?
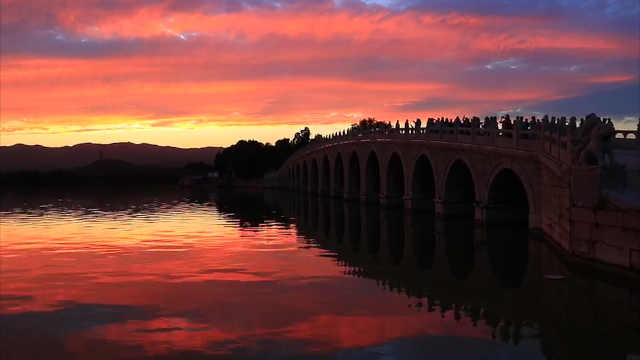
[{"x": 556, "y": 144}]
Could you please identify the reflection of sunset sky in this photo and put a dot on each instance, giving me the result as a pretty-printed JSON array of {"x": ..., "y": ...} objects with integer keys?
[
  {"x": 189, "y": 279},
  {"x": 206, "y": 72}
]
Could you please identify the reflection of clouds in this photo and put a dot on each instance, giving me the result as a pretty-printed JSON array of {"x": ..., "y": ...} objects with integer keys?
[{"x": 70, "y": 317}]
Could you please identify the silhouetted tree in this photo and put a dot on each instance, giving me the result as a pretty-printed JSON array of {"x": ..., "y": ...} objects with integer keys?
[
  {"x": 370, "y": 123},
  {"x": 252, "y": 159}
]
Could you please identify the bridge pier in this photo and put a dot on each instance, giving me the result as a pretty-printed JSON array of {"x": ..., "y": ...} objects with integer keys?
[
  {"x": 408, "y": 202},
  {"x": 480, "y": 212},
  {"x": 391, "y": 201}
]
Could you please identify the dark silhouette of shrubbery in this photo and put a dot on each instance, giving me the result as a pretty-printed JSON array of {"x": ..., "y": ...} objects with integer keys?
[
  {"x": 250, "y": 159},
  {"x": 370, "y": 123}
]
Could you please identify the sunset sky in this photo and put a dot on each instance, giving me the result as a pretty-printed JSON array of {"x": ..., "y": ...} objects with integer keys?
[{"x": 208, "y": 72}]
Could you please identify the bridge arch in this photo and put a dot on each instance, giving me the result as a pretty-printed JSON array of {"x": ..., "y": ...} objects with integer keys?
[
  {"x": 325, "y": 183},
  {"x": 459, "y": 189},
  {"x": 372, "y": 177},
  {"x": 423, "y": 184},
  {"x": 395, "y": 188},
  {"x": 338, "y": 176},
  {"x": 305, "y": 177},
  {"x": 354, "y": 176},
  {"x": 508, "y": 198},
  {"x": 315, "y": 177}
]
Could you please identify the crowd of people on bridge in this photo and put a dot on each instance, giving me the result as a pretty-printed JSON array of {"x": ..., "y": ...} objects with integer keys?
[{"x": 504, "y": 125}]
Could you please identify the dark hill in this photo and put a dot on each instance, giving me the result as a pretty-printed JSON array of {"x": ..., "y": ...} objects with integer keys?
[
  {"x": 108, "y": 167},
  {"x": 41, "y": 158}
]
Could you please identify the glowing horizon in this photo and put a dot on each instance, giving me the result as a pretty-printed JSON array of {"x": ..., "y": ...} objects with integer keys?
[{"x": 196, "y": 73}]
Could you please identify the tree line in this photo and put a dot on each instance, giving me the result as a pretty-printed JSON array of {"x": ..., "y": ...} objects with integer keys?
[{"x": 251, "y": 159}]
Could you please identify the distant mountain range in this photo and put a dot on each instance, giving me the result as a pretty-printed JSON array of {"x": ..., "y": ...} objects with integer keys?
[{"x": 35, "y": 157}]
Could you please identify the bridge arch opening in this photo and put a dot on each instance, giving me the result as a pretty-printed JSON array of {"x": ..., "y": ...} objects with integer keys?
[
  {"x": 315, "y": 176},
  {"x": 507, "y": 200},
  {"x": 373, "y": 178},
  {"x": 338, "y": 177},
  {"x": 459, "y": 191},
  {"x": 325, "y": 187},
  {"x": 395, "y": 180},
  {"x": 354, "y": 176},
  {"x": 423, "y": 185},
  {"x": 305, "y": 177}
]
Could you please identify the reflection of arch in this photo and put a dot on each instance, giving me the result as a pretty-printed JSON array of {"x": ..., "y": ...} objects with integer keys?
[
  {"x": 424, "y": 241},
  {"x": 395, "y": 235},
  {"x": 354, "y": 224},
  {"x": 507, "y": 198},
  {"x": 315, "y": 176},
  {"x": 460, "y": 248},
  {"x": 305, "y": 177},
  {"x": 423, "y": 184},
  {"x": 395, "y": 178},
  {"x": 459, "y": 190},
  {"x": 325, "y": 221},
  {"x": 338, "y": 176},
  {"x": 372, "y": 227},
  {"x": 325, "y": 185},
  {"x": 339, "y": 223},
  {"x": 372, "y": 177},
  {"x": 508, "y": 251},
  {"x": 354, "y": 175}
]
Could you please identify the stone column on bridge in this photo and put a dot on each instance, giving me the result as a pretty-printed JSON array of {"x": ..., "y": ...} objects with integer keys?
[
  {"x": 480, "y": 212},
  {"x": 438, "y": 206},
  {"x": 408, "y": 201},
  {"x": 446, "y": 208}
]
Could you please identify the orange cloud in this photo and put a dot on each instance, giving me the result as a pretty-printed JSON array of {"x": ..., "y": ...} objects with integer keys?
[{"x": 148, "y": 67}]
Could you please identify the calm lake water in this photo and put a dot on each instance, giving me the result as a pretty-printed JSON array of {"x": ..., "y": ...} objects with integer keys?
[{"x": 175, "y": 274}]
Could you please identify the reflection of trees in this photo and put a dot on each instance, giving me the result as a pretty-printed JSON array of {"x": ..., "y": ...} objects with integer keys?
[{"x": 254, "y": 211}]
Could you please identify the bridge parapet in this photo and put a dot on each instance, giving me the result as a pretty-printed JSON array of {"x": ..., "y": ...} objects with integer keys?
[
  {"x": 550, "y": 144},
  {"x": 557, "y": 144}
]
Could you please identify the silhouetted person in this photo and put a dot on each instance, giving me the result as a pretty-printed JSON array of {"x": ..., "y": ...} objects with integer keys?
[
  {"x": 406, "y": 124},
  {"x": 572, "y": 126},
  {"x": 397, "y": 124},
  {"x": 607, "y": 141},
  {"x": 418, "y": 123}
]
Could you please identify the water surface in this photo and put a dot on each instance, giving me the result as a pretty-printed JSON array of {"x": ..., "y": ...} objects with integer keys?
[{"x": 172, "y": 274}]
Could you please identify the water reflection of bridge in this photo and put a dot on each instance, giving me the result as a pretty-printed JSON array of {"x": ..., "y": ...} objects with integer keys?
[{"x": 461, "y": 270}]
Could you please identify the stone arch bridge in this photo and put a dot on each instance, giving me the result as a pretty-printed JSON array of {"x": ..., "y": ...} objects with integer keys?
[{"x": 491, "y": 175}]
